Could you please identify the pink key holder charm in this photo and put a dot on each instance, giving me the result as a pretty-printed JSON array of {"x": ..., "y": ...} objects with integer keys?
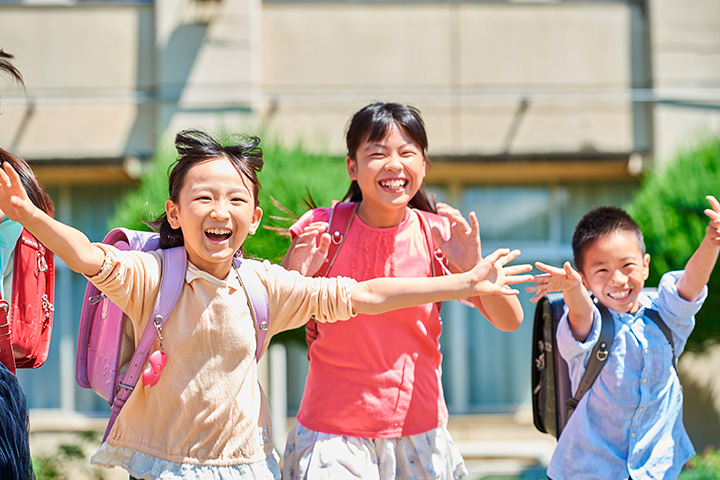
[
  {"x": 152, "y": 372},
  {"x": 157, "y": 359}
]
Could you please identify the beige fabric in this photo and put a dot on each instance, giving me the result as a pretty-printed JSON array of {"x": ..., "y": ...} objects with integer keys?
[{"x": 208, "y": 407}]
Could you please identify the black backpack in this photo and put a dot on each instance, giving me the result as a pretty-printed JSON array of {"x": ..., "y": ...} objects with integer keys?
[{"x": 552, "y": 399}]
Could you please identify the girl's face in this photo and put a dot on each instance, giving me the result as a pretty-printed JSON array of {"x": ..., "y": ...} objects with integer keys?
[
  {"x": 216, "y": 211},
  {"x": 389, "y": 173}
]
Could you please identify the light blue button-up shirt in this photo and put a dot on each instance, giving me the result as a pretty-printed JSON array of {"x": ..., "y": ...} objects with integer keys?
[{"x": 630, "y": 422}]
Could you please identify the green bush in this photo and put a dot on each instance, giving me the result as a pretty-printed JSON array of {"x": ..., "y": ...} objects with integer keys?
[
  {"x": 669, "y": 208},
  {"x": 702, "y": 467}
]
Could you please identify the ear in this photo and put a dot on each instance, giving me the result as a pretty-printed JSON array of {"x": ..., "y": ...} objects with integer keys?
[
  {"x": 584, "y": 281},
  {"x": 351, "y": 168},
  {"x": 255, "y": 222},
  {"x": 646, "y": 266},
  {"x": 173, "y": 214}
]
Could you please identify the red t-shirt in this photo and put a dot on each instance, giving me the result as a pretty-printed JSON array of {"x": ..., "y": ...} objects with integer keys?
[{"x": 377, "y": 376}]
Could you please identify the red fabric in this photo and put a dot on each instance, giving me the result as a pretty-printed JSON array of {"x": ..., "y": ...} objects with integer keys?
[{"x": 376, "y": 376}]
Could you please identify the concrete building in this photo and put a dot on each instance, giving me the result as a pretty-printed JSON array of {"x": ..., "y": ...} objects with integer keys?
[{"x": 537, "y": 111}]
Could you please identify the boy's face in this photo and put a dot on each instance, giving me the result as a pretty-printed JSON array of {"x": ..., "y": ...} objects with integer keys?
[{"x": 615, "y": 270}]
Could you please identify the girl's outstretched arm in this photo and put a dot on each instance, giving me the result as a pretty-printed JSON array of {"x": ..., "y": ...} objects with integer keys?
[
  {"x": 68, "y": 243},
  {"x": 490, "y": 276},
  {"x": 463, "y": 250}
]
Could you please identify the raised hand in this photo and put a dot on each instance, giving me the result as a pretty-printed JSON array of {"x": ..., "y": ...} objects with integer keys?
[
  {"x": 712, "y": 233},
  {"x": 491, "y": 275},
  {"x": 463, "y": 248},
  {"x": 306, "y": 255},
  {"x": 14, "y": 200},
  {"x": 554, "y": 280}
]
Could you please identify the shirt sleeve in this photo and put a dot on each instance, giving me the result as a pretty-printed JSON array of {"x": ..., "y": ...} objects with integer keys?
[
  {"x": 130, "y": 279},
  {"x": 676, "y": 312},
  {"x": 315, "y": 215},
  {"x": 574, "y": 352},
  {"x": 294, "y": 298}
]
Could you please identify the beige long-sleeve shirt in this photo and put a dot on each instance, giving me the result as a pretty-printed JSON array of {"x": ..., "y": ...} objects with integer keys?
[{"x": 207, "y": 408}]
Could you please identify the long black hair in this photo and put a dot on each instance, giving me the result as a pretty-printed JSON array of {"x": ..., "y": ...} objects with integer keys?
[
  {"x": 194, "y": 147},
  {"x": 372, "y": 123},
  {"x": 36, "y": 192}
]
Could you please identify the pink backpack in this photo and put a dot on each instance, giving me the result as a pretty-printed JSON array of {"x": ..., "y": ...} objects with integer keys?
[{"x": 106, "y": 359}]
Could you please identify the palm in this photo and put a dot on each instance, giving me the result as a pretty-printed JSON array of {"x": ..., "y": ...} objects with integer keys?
[{"x": 14, "y": 201}]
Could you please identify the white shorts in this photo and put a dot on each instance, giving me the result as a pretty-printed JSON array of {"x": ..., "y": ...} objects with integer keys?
[{"x": 311, "y": 455}]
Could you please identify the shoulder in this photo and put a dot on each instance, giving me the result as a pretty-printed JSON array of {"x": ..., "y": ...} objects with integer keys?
[{"x": 434, "y": 220}]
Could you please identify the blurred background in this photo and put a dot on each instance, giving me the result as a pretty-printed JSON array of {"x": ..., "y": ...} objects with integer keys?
[{"x": 537, "y": 111}]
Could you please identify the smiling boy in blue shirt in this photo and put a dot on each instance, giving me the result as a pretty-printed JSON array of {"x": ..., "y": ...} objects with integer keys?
[{"x": 629, "y": 425}]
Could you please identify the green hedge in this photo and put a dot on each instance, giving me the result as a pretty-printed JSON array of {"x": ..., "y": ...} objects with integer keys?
[{"x": 669, "y": 208}]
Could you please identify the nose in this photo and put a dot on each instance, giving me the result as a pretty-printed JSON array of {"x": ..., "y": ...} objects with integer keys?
[
  {"x": 219, "y": 211},
  {"x": 394, "y": 162},
  {"x": 619, "y": 277}
]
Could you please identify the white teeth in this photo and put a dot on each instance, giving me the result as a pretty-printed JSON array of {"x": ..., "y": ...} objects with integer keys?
[
  {"x": 219, "y": 231},
  {"x": 619, "y": 295},
  {"x": 398, "y": 183}
]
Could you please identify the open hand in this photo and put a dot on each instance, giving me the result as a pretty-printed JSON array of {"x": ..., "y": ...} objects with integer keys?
[
  {"x": 713, "y": 228},
  {"x": 14, "y": 200},
  {"x": 554, "y": 280},
  {"x": 491, "y": 275},
  {"x": 306, "y": 254},
  {"x": 462, "y": 250}
]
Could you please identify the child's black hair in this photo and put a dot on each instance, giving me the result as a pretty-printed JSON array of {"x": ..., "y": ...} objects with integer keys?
[
  {"x": 598, "y": 223},
  {"x": 372, "y": 123},
  {"x": 7, "y": 67},
  {"x": 194, "y": 147},
  {"x": 35, "y": 191}
]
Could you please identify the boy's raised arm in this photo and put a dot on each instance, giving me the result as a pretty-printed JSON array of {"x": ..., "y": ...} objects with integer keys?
[
  {"x": 701, "y": 264},
  {"x": 576, "y": 296},
  {"x": 68, "y": 243},
  {"x": 489, "y": 277}
]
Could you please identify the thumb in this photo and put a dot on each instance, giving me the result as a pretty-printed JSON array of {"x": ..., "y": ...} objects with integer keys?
[{"x": 437, "y": 235}]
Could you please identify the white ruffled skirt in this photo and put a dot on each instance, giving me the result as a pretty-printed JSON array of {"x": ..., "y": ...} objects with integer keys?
[
  {"x": 145, "y": 466},
  {"x": 311, "y": 455}
]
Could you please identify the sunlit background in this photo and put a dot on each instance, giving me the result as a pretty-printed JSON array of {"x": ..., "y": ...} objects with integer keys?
[{"x": 537, "y": 111}]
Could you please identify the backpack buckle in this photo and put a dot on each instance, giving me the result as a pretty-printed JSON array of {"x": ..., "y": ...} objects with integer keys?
[{"x": 603, "y": 352}]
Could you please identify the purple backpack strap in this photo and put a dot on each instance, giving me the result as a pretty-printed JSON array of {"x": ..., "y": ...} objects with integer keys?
[
  {"x": 257, "y": 299},
  {"x": 173, "y": 279}
]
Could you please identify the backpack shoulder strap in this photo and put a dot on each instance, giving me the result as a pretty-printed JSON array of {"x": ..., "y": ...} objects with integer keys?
[
  {"x": 173, "y": 279},
  {"x": 257, "y": 299},
  {"x": 598, "y": 356},
  {"x": 427, "y": 221},
  {"x": 654, "y": 315},
  {"x": 341, "y": 217}
]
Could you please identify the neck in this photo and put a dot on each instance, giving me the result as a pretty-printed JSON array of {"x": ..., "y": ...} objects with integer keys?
[{"x": 381, "y": 218}]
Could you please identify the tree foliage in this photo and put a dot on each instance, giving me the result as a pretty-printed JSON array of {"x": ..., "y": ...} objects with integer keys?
[{"x": 669, "y": 208}]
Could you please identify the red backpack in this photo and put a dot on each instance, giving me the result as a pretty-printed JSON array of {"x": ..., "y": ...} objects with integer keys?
[{"x": 26, "y": 322}]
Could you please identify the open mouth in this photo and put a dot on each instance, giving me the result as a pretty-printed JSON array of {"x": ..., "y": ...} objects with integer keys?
[
  {"x": 619, "y": 295},
  {"x": 394, "y": 184},
  {"x": 218, "y": 234}
]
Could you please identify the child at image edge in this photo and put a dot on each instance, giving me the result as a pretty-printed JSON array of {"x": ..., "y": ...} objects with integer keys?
[
  {"x": 207, "y": 417},
  {"x": 374, "y": 407},
  {"x": 629, "y": 424}
]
